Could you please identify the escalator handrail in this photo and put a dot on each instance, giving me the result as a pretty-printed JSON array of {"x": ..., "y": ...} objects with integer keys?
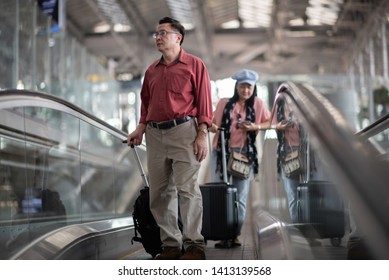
[
  {"x": 12, "y": 98},
  {"x": 376, "y": 127},
  {"x": 65, "y": 238},
  {"x": 361, "y": 177}
]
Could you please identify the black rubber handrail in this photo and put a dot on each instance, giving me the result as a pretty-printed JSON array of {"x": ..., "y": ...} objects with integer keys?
[
  {"x": 25, "y": 98},
  {"x": 353, "y": 163},
  {"x": 376, "y": 127}
]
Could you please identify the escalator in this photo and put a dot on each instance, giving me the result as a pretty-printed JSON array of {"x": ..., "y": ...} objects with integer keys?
[
  {"x": 64, "y": 172},
  {"x": 67, "y": 184},
  {"x": 334, "y": 152}
]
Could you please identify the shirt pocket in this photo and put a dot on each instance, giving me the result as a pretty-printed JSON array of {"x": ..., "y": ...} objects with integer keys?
[{"x": 180, "y": 84}]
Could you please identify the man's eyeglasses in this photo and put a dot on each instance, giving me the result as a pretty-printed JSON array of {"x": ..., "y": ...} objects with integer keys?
[{"x": 163, "y": 33}]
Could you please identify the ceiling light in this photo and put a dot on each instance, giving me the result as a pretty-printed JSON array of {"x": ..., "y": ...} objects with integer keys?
[
  {"x": 321, "y": 12},
  {"x": 124, "y": 77},
  {"x": 102, "y": 27},
  {"x": 121, "y": 28},
  {"x": 296, "y": 22},
  {"x": 230, "y": 24},
  {"x": 255, "y": 13},
  {"x": 182, "y": 11},
  {"x": 188, "y": 26},
  {"x": 300, "y": 34},
  {"x": 113, "y": 12}
]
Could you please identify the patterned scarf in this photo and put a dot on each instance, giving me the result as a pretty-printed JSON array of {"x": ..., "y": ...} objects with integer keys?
[
  {"x": 281, "y": 148},
  {"x": 251, "y": 136}
]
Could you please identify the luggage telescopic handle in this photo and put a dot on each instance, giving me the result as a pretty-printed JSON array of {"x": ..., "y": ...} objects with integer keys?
[
  {"x": 308, "y": 161},
  {"x": 224, "y": 158},
  {"x": 142, "y": 172}
]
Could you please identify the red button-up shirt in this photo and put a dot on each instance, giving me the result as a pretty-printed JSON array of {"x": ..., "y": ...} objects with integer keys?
[{"x": 177, "y": 90}]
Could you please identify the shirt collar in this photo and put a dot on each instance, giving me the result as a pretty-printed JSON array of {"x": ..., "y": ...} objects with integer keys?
[{"x": 182, "y": 57}]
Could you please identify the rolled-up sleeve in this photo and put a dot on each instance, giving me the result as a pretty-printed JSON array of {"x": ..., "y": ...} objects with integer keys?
[
  {"x": 145, "y": 98},
  {"x": 203, "y": 95}
]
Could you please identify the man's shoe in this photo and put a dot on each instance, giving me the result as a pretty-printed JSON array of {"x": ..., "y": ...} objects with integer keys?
[
  {"x": 193, "y": 253},
  {"x": 169, "y": 253},
  {"x": 224, "y": 244}
]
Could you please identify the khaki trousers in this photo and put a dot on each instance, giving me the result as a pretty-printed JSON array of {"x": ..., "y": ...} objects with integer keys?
[{"x": 173, "y": 175}]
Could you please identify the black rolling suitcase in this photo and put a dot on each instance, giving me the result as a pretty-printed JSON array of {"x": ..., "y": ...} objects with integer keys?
[
  {"x": 321, "y": 207},
  {"x": 220, "y": 206}
]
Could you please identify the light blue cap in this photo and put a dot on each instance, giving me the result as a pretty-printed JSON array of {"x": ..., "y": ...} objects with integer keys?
[{"x": 246, "y": 76}]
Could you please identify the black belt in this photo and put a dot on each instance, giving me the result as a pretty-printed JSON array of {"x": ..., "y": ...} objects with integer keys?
[{"x": 170, "y": 124}]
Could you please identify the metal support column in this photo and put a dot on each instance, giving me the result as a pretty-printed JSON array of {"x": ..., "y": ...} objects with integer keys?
[
  {"x": 384, "y": 52},
  {"x": 34, "y": 82},
  {"x": 16, "y": 47},
  {"x": 371, "y": 81}
]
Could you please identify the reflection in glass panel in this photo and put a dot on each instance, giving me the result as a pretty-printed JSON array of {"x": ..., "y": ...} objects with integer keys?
[
  {"x": 44, "y": 186},
  {"x": 381, "y": 141},
  {"x": 57, "y": 159},
  {"x": 97, "y": 171},
  {"x": 39, "y": 173},
  {"x": 306, "y": 199}
]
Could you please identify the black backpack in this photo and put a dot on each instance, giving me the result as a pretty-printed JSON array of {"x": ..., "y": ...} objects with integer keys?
[{"x": 145, "y": 224}]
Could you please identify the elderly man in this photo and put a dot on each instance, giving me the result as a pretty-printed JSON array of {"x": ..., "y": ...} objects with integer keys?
[{"x": 176, "y": 112}]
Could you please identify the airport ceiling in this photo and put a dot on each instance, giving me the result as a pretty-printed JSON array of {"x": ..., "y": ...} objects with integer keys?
[{"x": 273, "y": 37}]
